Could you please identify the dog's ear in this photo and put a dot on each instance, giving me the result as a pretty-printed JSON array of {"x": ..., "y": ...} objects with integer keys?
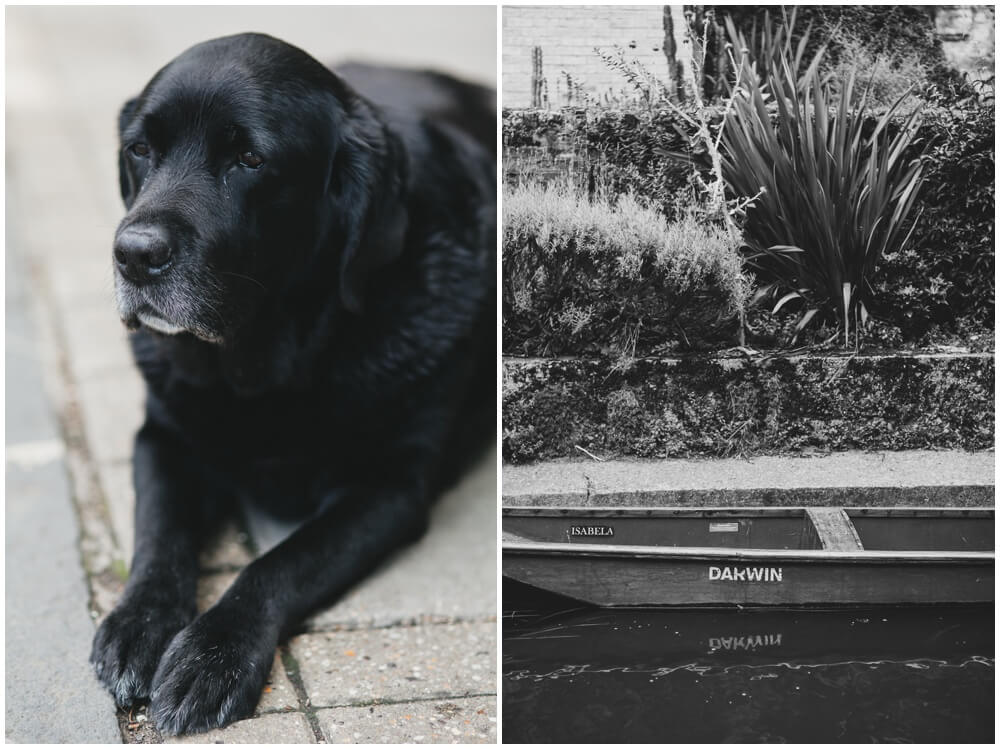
[
  {"x": 124, "y": 183},
  {"x": 368, "y": 183}
]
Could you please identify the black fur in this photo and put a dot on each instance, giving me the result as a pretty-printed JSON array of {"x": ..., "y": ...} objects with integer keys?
[{"x": 328, "y": 336}]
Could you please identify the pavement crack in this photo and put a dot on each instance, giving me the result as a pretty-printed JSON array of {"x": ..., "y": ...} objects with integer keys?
[
  {"x": 411, "y": 622},
  {"x": 408, "y": 700},
  {"x": 294, "y": 674}
]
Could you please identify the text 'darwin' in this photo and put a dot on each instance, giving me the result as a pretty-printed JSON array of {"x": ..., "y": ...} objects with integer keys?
[{"x": 746, "y": 574}]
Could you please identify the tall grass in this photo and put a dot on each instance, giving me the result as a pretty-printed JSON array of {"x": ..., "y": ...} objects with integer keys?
[
  {"x": 582, "y": 275},
  {"x": 833, "y": 193},
  {"x": 626, "y": 233}
]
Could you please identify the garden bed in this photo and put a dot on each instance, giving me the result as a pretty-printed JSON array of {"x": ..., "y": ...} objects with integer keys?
[
  {"x": 699, "y": 406},
  {"x": 941, "y": 284}
]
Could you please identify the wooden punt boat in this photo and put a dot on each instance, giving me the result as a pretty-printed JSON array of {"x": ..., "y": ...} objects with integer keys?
[{"x": 818, "y": 556}]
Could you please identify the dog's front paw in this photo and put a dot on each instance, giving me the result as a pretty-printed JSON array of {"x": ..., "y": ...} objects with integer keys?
[
  {"x": 128, "y": 645},
  {"x": 214, "y": 671}
]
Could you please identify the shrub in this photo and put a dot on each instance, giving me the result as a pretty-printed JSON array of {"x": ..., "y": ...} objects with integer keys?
[
  {"x": 618, "y": 279},
  {"x": 605, "y": 152},
  {"x": 946, "y": 275},
  {"x": 942, "y": 280},
  {"x": 888, "y": 79},
  {"x": 831, "y": 199},
  {"x": 901, "y": 38}
]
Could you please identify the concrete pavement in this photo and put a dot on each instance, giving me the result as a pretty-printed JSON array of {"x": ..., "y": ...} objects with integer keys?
[
  {"x": 407, "y": 655},
  {"x": 942, "y": 478}
]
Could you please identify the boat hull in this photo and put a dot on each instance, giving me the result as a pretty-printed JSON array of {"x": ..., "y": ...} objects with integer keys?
[
  {"x": 604, "y": 577},
  {"x": 753, "y": 556}
]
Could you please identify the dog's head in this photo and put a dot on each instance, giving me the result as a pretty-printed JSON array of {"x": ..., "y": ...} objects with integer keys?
[{"x": 246, "y": 168}]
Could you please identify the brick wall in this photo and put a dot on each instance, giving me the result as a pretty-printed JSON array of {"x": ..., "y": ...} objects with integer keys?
[{"x": 567, "y": 36}]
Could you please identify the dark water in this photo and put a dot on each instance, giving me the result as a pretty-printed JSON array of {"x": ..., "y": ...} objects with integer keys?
[{"x": 574, "y": 674}]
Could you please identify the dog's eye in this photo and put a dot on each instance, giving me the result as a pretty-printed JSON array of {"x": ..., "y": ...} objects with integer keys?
[
  {"x": 139, "y": 149},
  {"x": 251, "y": 160}
]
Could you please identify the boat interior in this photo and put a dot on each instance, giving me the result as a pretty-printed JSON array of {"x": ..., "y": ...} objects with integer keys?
[{"x": 804, "y": 528}]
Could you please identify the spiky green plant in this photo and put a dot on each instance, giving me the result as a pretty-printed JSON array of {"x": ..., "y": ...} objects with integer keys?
[
  {"x": 832, "y": 198},
  {"x": 766, "y": 48}
]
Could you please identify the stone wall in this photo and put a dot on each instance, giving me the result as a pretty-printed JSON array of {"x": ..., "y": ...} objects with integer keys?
[{"x": 710, "y": 407}]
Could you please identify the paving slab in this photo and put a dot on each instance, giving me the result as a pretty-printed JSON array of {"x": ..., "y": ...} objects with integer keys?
[
  {"x": 48, "y": 682},
  {"x": 458, "y": 721},
  {"x": 52, "y": 179},
  {"x": 276, "y": 728},
  {"x": 915, "y": 477},
  {"x": 212, "y": 586},
  {"x": 279, "y": 695},
  {"x": 112, "y": 409},
  {"x": 228, "y": 550},
  {"x": 97, "y": 340},
  {"x": 24, "y": 402},
  {"x": 397, "y": 663},
  {"x": 84, "y": 277},
  {"x": 449, "y": 574},
  {"x": 119, "y": 495}
]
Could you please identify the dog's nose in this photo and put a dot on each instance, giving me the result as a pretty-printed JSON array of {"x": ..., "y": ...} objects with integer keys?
[{"x": 142, "y": 252}]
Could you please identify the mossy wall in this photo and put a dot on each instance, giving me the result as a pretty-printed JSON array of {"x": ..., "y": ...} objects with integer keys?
[{"x": 690, "y": 407}]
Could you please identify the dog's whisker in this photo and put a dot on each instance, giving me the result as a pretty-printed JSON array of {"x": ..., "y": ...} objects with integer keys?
[{"x": 245, "y": 277}]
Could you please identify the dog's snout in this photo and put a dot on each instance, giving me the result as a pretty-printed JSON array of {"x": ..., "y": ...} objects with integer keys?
[{"x": 142, "y": 252}]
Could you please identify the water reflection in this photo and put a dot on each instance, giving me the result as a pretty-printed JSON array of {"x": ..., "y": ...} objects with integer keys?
[{"x": 888, "y": 675}]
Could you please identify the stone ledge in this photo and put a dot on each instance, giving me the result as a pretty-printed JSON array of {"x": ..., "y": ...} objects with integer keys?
[
  {"x": 723, "y": 407},
  {"x": 915, "y": 478}
]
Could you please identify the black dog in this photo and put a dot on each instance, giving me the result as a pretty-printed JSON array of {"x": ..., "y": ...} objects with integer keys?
[{"x": 309, "y": 272}]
